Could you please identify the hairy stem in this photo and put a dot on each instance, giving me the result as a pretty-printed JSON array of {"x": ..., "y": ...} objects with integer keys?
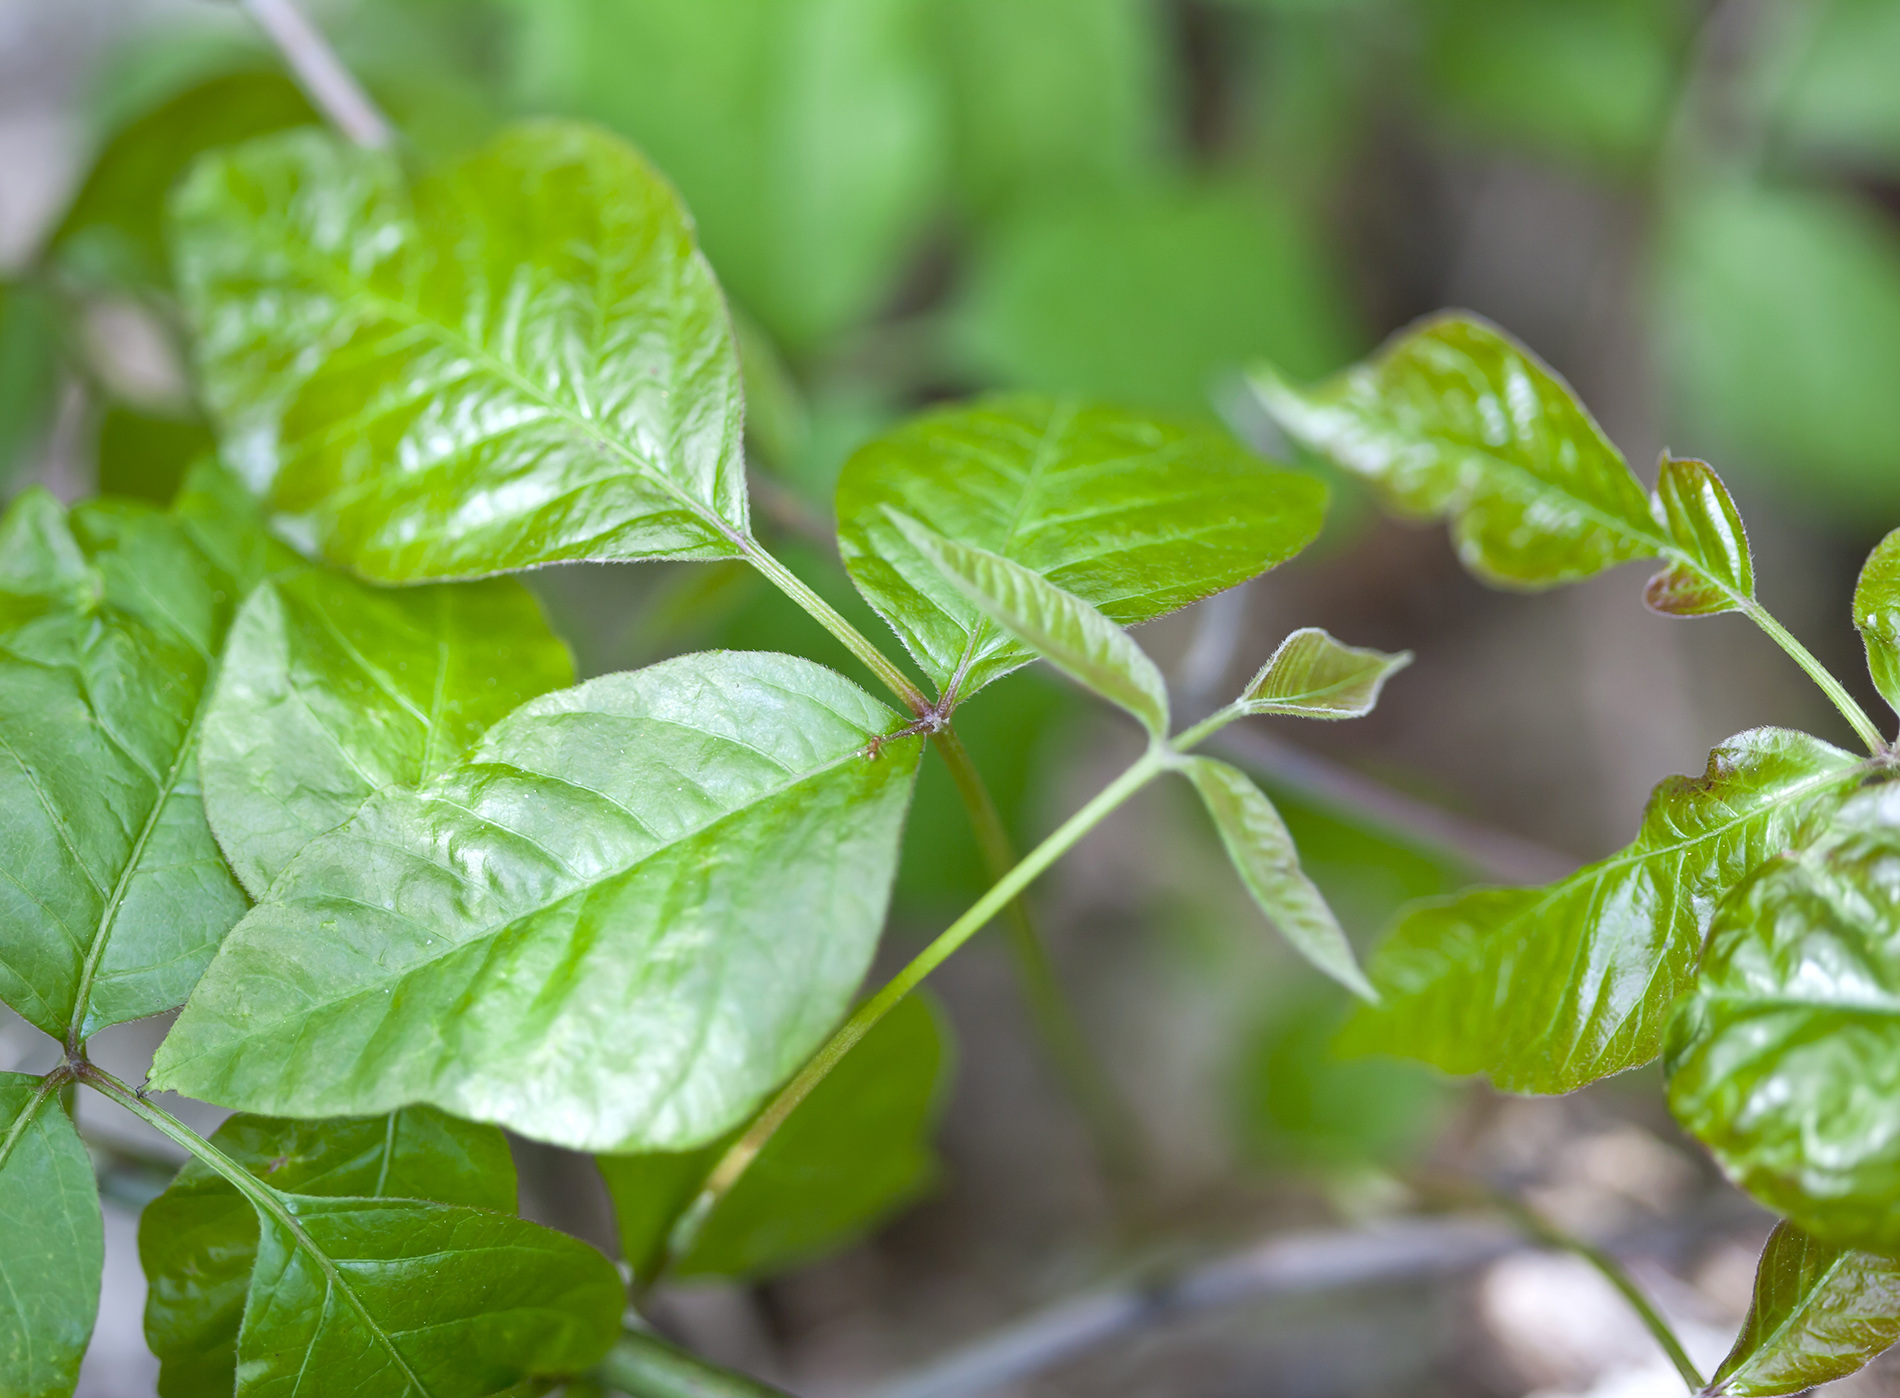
[
  {"x": 1856, "y": 716},
  {"x": 1110, "y": 1122},
  {"x": 642, "y": 1365},
  {"x": 740, "y": 1155},
  {"x": 321, "y": 73}
]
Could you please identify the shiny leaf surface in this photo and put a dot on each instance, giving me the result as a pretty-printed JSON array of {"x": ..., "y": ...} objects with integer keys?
[
  {"x": 1264, "y": 856},
  {"x": 1312, "y": 675},
  {"x": 1877, "y": 616},
  {"x": 54, "y": 1249},
  {"x": 1785, "y": 1061},
  {"x": 198, "y": 1240},
  {"x": 1702, "y": 520},
  {"x": 1819, "y": 1313},
  {"x": 1134, "y": 515},
  {"x": 1059, "y": 626},
  {"x": 332, "y": 690},
  {"x": 632, "y": 910},
  {"x": 524, "y": 360},
  {"x": 1546, "y": 989}
]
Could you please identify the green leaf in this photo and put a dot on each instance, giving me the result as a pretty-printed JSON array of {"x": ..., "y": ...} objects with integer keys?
[
  {"x": 1546, "y": 989},
  {"x": 198, "y": 1240},
  {"x": 112, "y": 619},
  {"x": 54, "y": 1253},
  {"x": 1268, "y": 864},
  {"x": 1819, "y": 1313},
  {"x": 1877, "y": 616},
  {"x": 853, "y": 1152},
  {"x": 1057, "y": 625},
  {"x": 148, "y": 456},
  {"x": 1706, "y": 527},
  {"x": 632, "y": 910},
  {"x": 1134, "y": 515},
  {"x": 1785, "y": 1060},
  {"x": 1313, "y": 676},
  {"x": 332, "y": 690},
  {"x": 1453, "y": 418},
  {"x": 524, "y": 361}
]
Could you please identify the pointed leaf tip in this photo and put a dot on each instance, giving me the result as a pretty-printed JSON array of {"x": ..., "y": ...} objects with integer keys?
[
  {"x": 1312, "y": 675},
  {"x": 1716, "y": 573},
  {"x": 1877, "y": 616},
  {"x": 1059, "y": 626}
]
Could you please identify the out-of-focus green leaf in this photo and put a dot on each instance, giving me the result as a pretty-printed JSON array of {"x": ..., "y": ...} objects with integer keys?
[
  {"x": 1051, "y": 94},
  {"x": 1819, "y": 1313},
  {"x": 1779, "y": 313},
  {"x": 114, "y": 230},
  {"x": 615, "y": 925},
  {"x": 1587, "y": 80},
  {"x": 54, "y": 1253},
  {"x": 855, "y": 1150},
  {"x": 1877, "y": 616},
  {"x": 112, "y": 620},
  {"x": 1150, "y": 296},
  {"x": 147, "y": 457},
  {"x": 29, "y": 362},
  {"x": 1134, "y": 515},
  {"x": 525, "y": 361},
  {"x": 1058, "y": 626},
  {"x": 1838, "y": 101},
  {"x": 1785, "y": 1059},
  {"x": 1312, "y": 675},
  {"x": 198, "y": 1240},
  {"x": 332, "y": 690},
  {"x": 1257, "y": 842},
  {"x": 1702, "y": 520},
  {"x": 1546, "y": 989},
  {"x": 805, "y": 134}
]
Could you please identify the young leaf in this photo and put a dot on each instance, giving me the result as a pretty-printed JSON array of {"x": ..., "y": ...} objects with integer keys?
[
  {"x": 1059, "y": 626},
  {"x": 111, "y": 623},
  {"x": 1819, "y": 1313},
  {"x": 1546, "y": 989},
  {"x": 1135, "y": 515},
  {"x": 1268, "y": 864},
  {"x": 1313, "y": 676},
  {"x": 855, "y": 1150},
  {"x": 526, "y": 361},
  {"x": 1785, "y": 1060},
  {"x": 1877, "y": 615},
  {"x": 54, "y": 1248},
  {"x": 332, "y": 690},
  {"x": 198, "y": 1240},
  {"x": 633, "y": 909},
  {"x": 1707, "y": 528}
]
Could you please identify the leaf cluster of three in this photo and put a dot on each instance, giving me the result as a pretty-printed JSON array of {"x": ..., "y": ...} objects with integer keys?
[{"x": 611, "y": 916}]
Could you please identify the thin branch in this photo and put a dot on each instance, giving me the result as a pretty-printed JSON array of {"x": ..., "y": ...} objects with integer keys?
[{"x": 330, "y": 85}]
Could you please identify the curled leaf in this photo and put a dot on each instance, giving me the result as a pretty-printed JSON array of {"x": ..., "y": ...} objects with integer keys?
[
  {"x": 1313, "y": 676},
  {"x": 1696, "y": 509},
  {"x": 1877, "y": 616}
]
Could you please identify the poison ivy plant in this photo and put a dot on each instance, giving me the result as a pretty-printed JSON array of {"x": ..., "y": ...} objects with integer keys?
[{"x": 55, "y": 1248}]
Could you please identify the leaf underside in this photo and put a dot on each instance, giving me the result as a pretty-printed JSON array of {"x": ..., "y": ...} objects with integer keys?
[{"x": 1312, "y": 675}]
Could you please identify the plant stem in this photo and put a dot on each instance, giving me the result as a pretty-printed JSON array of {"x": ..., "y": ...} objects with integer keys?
[
  {"x": 1109, "y": 1121},
  {"x": 642, "y": 1365},
  {"x": 330, "y": 85},
  {"x": 743, "y": 1151},
  {"x": 1855, "y": 715}
]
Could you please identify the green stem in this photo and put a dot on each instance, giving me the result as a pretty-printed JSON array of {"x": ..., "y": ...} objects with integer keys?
[
  {"x": 821, "y": 611},
  {"x": 1109, "y": 1121},
  {"x": 1855, "y": 715},
  {"x": 643, "y": 1365},
  {"x": 743, "y": 1151}
]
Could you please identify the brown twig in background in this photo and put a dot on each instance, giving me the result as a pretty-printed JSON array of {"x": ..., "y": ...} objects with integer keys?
[{"x": 330, "y": 85}]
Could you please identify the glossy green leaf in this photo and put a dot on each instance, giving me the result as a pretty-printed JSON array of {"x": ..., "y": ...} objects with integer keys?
[
  {"x": 1785, "y": 1060},
  {"x": 54, "y": 1248},
  {"x": 1256, "y": 840},
  {"x": 332, "y": 690},
  {"x": 524, "y": 360},
  {"x": 1134, "y": 515},
  {"x": 1819, "y": 1313},
  {"x": 1057, "y": 625},
  {"x": 1702, "y": 520},
  {"x": 632, "y": 910},
  {"x": 1546, "y": 989},
  {"x": 1312, "y": 675},
  {"x": 198, "y": 1240},
  {"x": 854, "y": 1151},
  {"x": 1877, "y": 616},
  {"x": 112, "y": 619}
]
